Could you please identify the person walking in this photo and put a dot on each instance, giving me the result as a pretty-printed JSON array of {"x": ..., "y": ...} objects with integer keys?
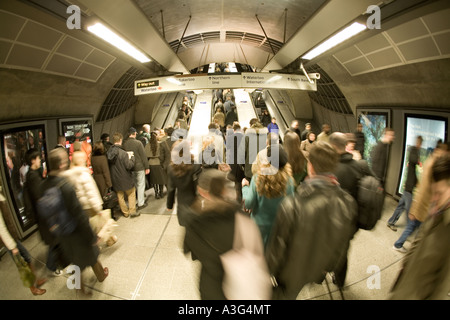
[
  {"x": 141, "y": 168},
  {"x": 308, "y": 143},
  {"x": 16, "y": 249},
  {"x": 380, "y": 155},
  {"x": 120, "y": 165},
  {"x": 411, "y": 181},
  {"x": 100, "y": 168},
  {"x": 296, "y": 158},
  {"x": 313, "y": 227},
  {"x": 79, "y": 246},
  {"x": 270, "y": 184},
  {"x": 155, "y": 155},
  {"x": 182, "y": 179}
]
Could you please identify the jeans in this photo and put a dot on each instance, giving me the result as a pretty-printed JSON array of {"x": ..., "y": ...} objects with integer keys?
[
  {"x": 403, "y": 205},
  {"x": 139, "y": 182},
  {"x": 410, "y": 227}
]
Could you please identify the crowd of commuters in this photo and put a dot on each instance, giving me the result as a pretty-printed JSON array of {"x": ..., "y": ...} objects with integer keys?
[{"x": 301, "y": 193}]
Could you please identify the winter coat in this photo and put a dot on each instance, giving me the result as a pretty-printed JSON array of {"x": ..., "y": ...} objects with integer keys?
[
  {"x": 79, "y": 246},
  {"x": 306, "y": 146},
  {"x": 5, "y": 236},
  {"x": 311, "y": 234},
  {"x": 209, "y": 233},
  {"x": 379, "y": 157},
  {"x": 120, "y": 166},
  {"x": 32, "y": 193},
  {"x": 264, "y": 210},
  {"x": 255, "y": 140},
  {"x": 425, "y": 274},
  {"x": 101, "y": 174},
  {"x": 185, "y": 188},
  {"x": 85, "y": 187},
  {"x": 141, "y": 163}
]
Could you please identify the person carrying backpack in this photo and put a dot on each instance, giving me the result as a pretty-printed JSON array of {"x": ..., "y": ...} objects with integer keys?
[
  {"x": 348, "y": 173},
  {"x": 78, "y": 241}
]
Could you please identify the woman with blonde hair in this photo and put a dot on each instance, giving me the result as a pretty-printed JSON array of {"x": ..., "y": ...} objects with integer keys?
[
  {"x": 269, "y": 185},
  {"x": 296, "y": 158}
]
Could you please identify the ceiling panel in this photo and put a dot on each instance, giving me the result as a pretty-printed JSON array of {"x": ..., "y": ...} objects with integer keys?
[
  {"x": 421, "y": 39},
  {"x": 38, "y": 35},
  {"x": 10, "y": 25},
  {"x": 443, "y": 42},
  {"x": 348, "y": 54},
  {"x": 374, "y": 43},
  {"x": 31, "y": 45},
  {"x": 28, "y": 57},
  {"x": 419, "y": 49},
  {"x": 74, "y": 48},
  {"x": 61, "y": 64},
  {"x": 438, "y": 21},
  {"x": 406, "y": 31},
  {"x": 358, "y": 66},
  {"x": 100, "y": 58},
  {"x": 4, "y": 50},
  {"x": 384, "y": 58}
]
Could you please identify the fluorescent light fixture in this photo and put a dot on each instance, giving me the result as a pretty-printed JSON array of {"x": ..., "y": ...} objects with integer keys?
[
  {"x": 338, "y": 38},
  {"x": 109, "y": 36}
]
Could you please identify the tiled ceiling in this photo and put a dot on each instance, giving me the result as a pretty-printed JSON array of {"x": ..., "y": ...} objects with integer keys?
[
  {"x": 421, "y": 39},
  {"x": 28, "y": 45}
]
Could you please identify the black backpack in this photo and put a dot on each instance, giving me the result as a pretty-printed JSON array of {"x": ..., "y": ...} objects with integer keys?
[
  {"x": 370, "y": 199},
  {"x": 52, "y": 209}
]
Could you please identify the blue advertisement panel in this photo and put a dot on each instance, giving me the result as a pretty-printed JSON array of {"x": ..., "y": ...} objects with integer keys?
[{"x": 431, "y": 129}]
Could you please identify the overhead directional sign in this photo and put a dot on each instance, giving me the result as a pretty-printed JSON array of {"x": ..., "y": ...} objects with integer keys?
[{"x": 247, "y": 80}]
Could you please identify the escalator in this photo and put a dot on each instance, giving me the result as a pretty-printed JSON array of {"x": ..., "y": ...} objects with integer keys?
[
  {"x": 278, "y": 107},
  {"x": 165, "y": 112},
  {"x": 244, "y": 106}
]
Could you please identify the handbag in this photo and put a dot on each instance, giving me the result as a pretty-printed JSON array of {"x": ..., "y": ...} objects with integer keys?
[
  {"x": 26, "y": 275},
  {"x": 110, "y": 199},
  {"x": 103, "y": 225},
  {"x": 246, "y": 275}
]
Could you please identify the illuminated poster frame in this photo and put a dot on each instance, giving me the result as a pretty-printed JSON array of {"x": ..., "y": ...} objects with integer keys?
[
  {"x": 15, "y": 140},
  {"x": 431, "y": 128},
  {"x": 373, "y": 122},
  {"x": 78, "y": 129}
]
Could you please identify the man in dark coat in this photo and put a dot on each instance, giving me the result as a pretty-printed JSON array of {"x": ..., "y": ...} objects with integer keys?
[
  {"x": 79, "y": 247},
  {"x": 313, "y": 227},
  {"x": 32, "y": 193},
  {"x": 380, "y": 155},
  {"x": 120, "y": 165},
  {"x": 348, "y": 172},
  {"x": 141, "y": 166}
]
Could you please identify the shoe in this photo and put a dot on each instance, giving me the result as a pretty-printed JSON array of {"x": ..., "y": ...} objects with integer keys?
[
  {"x": 392, "y": 227},
  {"x": 135, "y": 214},
  {"x": 143, "y": 206},
  {"x": 401, "y": 249},
  {"x": 126, "y": 215},
  {"x": 106, "y": 273},
  {"x": 58, "y": 273},
  {"x": 37, "y": 292},
  {"x": 40, "y": 282},
  {"x": 111, "y": 241}
]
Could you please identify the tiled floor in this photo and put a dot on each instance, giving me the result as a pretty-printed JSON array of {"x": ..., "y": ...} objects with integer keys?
[{"x": 147, "y": 263}]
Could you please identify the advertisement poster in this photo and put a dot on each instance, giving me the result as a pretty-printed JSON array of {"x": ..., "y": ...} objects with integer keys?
[
  {"x": 373, "y": 125},
  {"x": 78, "y": 134},
  {"x": 431, "y": 130}
]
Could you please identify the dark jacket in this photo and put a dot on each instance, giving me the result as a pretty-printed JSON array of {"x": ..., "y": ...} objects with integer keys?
[
  {"x": 425, "y": 273},
  {"x": 32, "y": 193},
  {"x": 312, "y": 232},
  {"x": 186, "y": 187},
  {"x": 101, "y": 174},
  {"x": 349, "y": 171},
  {"x": 79, "y": 246},
  {"x": 379, "y": 155},
  {"x": 120, "y": 166},
  {"x": 131, "y": 144},
  {"x": 411, "y": 177},
  {"x": 360, "y": 142},
  {"x": 231, "y": 117},
  {"x": 209, "y": 233},
  {"x": 254, "y": 141}
]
